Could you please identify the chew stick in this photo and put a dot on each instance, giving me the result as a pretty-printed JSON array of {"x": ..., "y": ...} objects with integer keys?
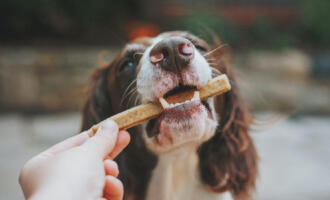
[{"x": 138, "y": 114}]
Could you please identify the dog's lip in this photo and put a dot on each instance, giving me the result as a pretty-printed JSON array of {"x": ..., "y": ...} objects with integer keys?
[{"x": 153, "y": 126}]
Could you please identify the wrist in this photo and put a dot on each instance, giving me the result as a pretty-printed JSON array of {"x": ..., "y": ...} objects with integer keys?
[{"x": 51, "y": 193}]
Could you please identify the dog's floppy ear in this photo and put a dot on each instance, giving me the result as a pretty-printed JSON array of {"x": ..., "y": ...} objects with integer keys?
[
  {"x": 228, "y": 161},
  {"x": 98, "y": 105}
]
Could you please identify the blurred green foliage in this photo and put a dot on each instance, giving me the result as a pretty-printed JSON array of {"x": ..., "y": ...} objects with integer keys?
[
  {"x": 265, "y": 32},
  {"x": 67, "y": 18},
  {"x": 205, "y": 24},
  {"x": 314, "y": 19},
  {"x": 94, "y": 21}
]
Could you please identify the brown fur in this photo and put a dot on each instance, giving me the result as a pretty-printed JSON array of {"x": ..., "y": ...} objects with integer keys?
[{"x": 229, "y": 153}]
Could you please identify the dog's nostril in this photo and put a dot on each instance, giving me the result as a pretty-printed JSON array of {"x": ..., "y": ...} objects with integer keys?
[
  {"x": 172, "y": 54},
  {"x": 155, "y": 58},
  {"x": 186, "y": 49}
]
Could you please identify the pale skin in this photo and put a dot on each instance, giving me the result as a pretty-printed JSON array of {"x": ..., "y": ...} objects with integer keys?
[{"x": 80, "y": 167}]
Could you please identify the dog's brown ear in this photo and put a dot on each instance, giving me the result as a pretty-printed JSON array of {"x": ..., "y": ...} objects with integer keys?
[
  {"x": 98, "y": 105},
  {"x": 228, "y": 161}
]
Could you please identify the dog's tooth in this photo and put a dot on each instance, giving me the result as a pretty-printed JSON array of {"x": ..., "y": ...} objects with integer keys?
[
  {"x": 196, "y": 96},
  {"x": 164, "y": 103}
]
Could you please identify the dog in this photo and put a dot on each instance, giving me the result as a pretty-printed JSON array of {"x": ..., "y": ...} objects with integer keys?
[{"x": 193, "y": 150}]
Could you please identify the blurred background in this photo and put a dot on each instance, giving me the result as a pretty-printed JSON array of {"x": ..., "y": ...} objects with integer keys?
[{"x": 280, "y": 49}]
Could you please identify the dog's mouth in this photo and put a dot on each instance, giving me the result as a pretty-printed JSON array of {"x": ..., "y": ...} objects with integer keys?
[
  {"x": 179, "y": 89},
  {"x": 168, "y": 102},
  {"x": 178, "y": 113}
]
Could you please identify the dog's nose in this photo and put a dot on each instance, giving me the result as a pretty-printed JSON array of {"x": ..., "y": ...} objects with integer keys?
[{"x": 172, "y": 54}]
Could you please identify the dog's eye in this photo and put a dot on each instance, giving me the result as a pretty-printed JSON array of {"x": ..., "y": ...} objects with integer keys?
[
  {"x": 127, "y": 65},
  {"x": 130, "y": 64}
]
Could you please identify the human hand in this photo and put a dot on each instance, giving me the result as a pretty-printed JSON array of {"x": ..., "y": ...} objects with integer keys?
[{"x": 80, "y": 167}]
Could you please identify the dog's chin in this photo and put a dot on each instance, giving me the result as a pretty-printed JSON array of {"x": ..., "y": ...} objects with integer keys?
[{"x": 186, "y": 125}]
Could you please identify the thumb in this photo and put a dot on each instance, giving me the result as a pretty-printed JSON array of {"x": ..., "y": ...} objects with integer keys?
[{"x": 103, "y": 142}]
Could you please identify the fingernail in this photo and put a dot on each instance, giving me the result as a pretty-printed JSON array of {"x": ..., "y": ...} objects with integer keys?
[{"x": 109, "y": 125}]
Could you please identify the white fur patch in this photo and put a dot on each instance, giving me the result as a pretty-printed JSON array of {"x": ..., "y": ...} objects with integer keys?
[{"x": 176, "y": 177}]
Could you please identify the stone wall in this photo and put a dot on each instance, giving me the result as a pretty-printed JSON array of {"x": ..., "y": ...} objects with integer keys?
[
  {"x": 48, "y": 79},
  {"x": 283, "y": 81}
]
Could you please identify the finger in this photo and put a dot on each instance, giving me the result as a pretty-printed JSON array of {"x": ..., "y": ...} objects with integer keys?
[
  {"x": 103, "y": 142},
  {"x": 69, "y": 143},
  {"x": 111, "y": 168},
  {"x": 113, "y": 188},
  {"x": 122, "y": 141}
]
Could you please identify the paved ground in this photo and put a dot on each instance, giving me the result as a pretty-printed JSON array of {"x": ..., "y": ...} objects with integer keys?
[{"x": 294, "y": 153}]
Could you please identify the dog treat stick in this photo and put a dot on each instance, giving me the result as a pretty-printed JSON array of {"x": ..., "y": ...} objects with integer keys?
[{"x": 137, "y": 115}]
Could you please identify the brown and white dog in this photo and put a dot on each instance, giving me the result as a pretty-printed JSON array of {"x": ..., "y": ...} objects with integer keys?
[{"x": 193, "y": 150}]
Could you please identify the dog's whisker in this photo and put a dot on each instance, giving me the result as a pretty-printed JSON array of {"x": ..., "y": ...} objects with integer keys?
[
  {"x": 215, "y": 74},
  {"x": 214, "y": 50},
  {"x": 127, "y": 89},
  {"x": 210, "y": 59},
  {"x": 213, "y": 65},
  {"x": 136, "y": 100},
  {"x": 128, "y": 94},
  {"x": 215, "y": 70},
  {"x": 131, "y": 95},
  {"x": 134, "y": 81}
]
